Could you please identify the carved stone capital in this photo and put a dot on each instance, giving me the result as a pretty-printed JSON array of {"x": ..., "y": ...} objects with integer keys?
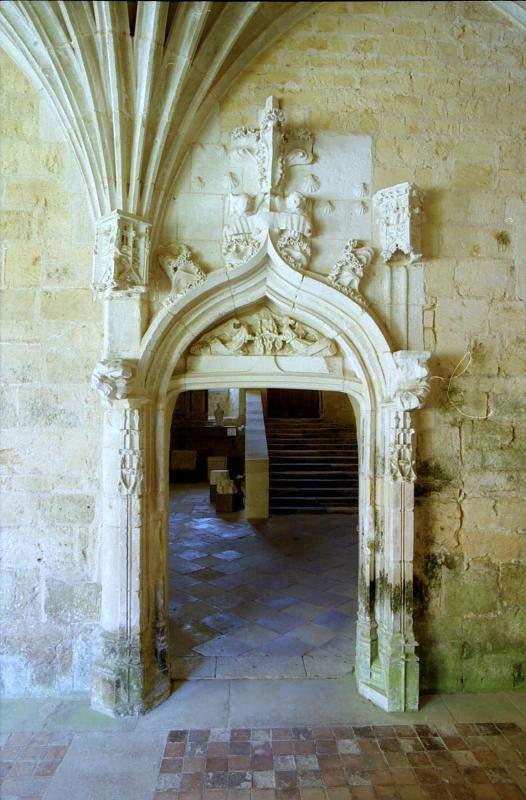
[
  {"x": 120, "y": 256},
  {"x": 114, "y": 378},
  {"x": 348, "y": 271},
  {"x": 412, "y": 378},
  {"x": 399, "y": 216},
  {"x": 183, "y": 272}
]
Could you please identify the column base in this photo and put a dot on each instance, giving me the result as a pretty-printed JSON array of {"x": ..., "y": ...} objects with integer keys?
[
  {"x": 118, "y": 687},
  {"x": 393, "y": 681}
]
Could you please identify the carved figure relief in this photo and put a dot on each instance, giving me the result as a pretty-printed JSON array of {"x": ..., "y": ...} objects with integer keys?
[
  {"x": 348, "y": 272},
  {"x": 264, "y": 333},
  {"x": 120, "y": 257},
  {"x": 183, "y": 272},
  {"x": 113, "y": 379},
  {"x": 251, "y": 218},
  {"x": 399, "y": 218},
  {"x": 401, "y": 463}
]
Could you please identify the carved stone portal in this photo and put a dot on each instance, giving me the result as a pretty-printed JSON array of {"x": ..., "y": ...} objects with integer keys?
[{"x": 264, "y": 333}]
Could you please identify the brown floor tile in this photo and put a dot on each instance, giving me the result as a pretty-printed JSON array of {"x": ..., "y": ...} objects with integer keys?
[
  {"x": 334, "y": 777},
  {"x": 238, "y": 763},
  {"x": 216, "y": 764},
  {"x": 171, "y": 765},
  {"x": 288, "y": 794}
]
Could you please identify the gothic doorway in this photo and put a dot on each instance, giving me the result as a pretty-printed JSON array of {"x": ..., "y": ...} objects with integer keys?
[{"x": 277, "y": 597}]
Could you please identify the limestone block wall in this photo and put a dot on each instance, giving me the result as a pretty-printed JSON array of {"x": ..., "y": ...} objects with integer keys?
[
  {"x": 50, "y": 418},
  {"x": 441, "y": 87}
]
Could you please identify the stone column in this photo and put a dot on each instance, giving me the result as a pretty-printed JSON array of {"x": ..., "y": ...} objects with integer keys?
[
  {"x": 366, "y": 628},
  {"x": 130, "y": 672},
  {"x": 397, "y": 641},
  {"x": 393, "y": 679}
]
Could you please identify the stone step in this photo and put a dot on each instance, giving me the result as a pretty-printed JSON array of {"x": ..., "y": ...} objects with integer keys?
[
  {"x": 283, "y": 462},
  {"x": 312, "y": 442},
  {"x": 312, "y": 509},
  {"x": 314, "y": 457},
  {"x": 327, "y": 479}
]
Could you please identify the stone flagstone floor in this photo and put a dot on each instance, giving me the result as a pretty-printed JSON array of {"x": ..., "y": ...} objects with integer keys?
[{"x": 276, "y": 599}]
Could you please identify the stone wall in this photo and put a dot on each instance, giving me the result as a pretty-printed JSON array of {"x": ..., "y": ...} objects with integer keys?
[
  {"x": 51, "y": 337},
  {"x": 442, "y": 89}
]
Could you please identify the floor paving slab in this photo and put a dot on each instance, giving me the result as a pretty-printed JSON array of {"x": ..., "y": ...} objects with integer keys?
[
  {"x": 109, "y": 766},
  {"x": 260, "y": 667},
  {"x": 27, "y": 714},
  {"x": 199, "y": 703}
]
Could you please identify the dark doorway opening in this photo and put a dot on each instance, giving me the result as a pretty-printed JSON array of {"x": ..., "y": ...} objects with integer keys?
[{"x": 293, "y": 404}]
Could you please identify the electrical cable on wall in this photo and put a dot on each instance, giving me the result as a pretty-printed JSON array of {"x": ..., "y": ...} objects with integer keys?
[{"x": 454, "y": 375}]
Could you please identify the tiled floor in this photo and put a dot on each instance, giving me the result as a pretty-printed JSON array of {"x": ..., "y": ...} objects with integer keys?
[
  {"x": 407, "y": 762},
  {"x": 28, "y": 762},
  {"x": 200, "y": 745},
  {"x": 299, "y": 732},
  {"x": 284, "y": 589}
]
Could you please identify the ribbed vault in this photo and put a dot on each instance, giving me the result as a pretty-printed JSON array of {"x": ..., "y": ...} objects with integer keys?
[{"x": 132, "y": 81}]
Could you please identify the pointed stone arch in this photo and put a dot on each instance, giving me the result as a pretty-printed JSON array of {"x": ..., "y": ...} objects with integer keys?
[{"x": 132, "y": 672}]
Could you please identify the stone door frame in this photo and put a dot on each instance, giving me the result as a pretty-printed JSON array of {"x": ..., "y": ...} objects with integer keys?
[{"x": 131, "y": 672}]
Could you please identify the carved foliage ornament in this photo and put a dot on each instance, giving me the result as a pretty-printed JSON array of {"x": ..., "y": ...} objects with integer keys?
[
  {"x": 399, "y": 218},
  {"x": 348, "y": 272},
  {"x": 114, "y": 378},
  {"x": 412, "y": 378},
  {"x": 263, "y": 333},
  {"x": 120, "y": 258},
  {"x": 184, "y": 274}
]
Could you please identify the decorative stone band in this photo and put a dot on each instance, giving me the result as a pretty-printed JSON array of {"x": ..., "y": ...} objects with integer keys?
[
  {"x": 131, "y": 471},
  {"x": 114, "y": 379},
  {"x": 399, "y": 217},
  {"x": 401, "y": 462},
  {"x": 120, "y": 256}
]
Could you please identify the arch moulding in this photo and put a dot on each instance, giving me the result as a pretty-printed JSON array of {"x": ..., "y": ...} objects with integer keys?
[{"x": 326, "y": 340}]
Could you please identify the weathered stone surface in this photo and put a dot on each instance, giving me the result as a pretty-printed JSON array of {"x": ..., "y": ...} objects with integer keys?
[
  {"x": 64, "y": 509},
  {"x": 66, "y": 602}
]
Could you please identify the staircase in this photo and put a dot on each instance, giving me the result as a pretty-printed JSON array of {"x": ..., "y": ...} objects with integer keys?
[{"x": 313, "y": 467}]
